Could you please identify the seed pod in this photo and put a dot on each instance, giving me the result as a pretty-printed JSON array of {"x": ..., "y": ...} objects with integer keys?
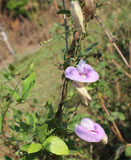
[
  {"x": 89, "y": 9},
  {"x": 77, "y": 15},
  {"x": 80, "y": 88}
]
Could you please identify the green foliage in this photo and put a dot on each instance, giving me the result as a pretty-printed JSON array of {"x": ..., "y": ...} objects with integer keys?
[
  {"x": 18, "y": 7},
  {"x": 34, "y": 147},
  {"x": 28, "y": 84},
  {"x": 42, "y": 132},
  {"x": 128, "y": 151},
  {"x": 56, "y": 146},
  {"x": 29, "y": 111},
  {"x": 66, "y": 12}
]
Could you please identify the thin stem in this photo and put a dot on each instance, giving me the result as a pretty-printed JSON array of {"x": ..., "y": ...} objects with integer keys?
[
  {"x": 9, "y": 103},
  {"x": 74, "y": 112},
  {"x": 112, "y": 40},
  {"x": 129, "y": 45},
  {"x": 118, "y": 89},
  {"x": 63, "y": 96},
  {"x": 66, "y": 29}
]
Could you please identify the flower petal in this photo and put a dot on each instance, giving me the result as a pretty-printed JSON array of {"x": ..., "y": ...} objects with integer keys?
[
  {"x": 82, "y": 73},
  {"x": 86, "y": 69},
  {"x": 90, "y": 131},
  {"x": 92, "y": 74},
  {"x": 88, "y": 123},
  {"x": 73, "y": 74},
  {"x": 100, "y": 131},
  {"x": 86, "y": 135}
]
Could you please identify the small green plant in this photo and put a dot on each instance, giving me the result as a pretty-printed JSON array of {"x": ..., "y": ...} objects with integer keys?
[{"x": 90, "y": 95}]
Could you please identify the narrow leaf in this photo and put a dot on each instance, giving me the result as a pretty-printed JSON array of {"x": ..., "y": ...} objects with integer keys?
[
  {"x": 63, "y": 11},
  {"x": 28, "y": 84},
  {"x": 42, "y": 132}
]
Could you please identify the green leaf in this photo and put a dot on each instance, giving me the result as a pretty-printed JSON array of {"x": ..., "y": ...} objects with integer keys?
[
  {"x": 56, "y": 146},
  {"x": 24, "y": 136},
  {"x": 49, "y": 112},
  {"x": 25, "y": 126},
  {"x": 28, "y": 84},
  {"x": 89, "y": 49},
  {"x": 30, "y": 119},
  {"x": 111, "y": 118},
  {"x": 16, "y": 96},
  {"x": 119, "y": 115},
  {"x": 63, "y": 11},
  {"x": 76, "y": 120},
  {"x": 1, "y": 118},
  {"x": 42, "y": 132},
  {"x": 11, "y": 67},
  {"x": 128, "y": 151},
  {"x": 34, "y": 147},
  {"x": 7, "y": 158},
  {"x": 25, "y": 147}
]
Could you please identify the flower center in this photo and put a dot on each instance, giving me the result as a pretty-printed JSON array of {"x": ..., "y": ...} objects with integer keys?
[{"x": 83, "y": 75}]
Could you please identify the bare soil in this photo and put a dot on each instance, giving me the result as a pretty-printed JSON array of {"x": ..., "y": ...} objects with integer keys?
[{"x": 25, "y": 35}]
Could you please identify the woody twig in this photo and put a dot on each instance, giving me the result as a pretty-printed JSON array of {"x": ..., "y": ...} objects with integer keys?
[
  {"x": 117, "y": 131},
  {"x": 112, "y": 40},
  {"x": 5, "y": 39}
]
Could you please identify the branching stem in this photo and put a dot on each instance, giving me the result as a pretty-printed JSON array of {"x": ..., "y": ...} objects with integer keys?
[{"x": 112, "y": 40}]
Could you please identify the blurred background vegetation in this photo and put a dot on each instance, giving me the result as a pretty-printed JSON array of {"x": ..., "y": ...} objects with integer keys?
[{"x": 29, "y": 23}]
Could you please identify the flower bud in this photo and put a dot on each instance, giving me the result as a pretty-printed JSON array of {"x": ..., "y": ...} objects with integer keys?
[
  {"x": 105, "y": 140},
  {"x": 89, "y": 9},
  {"x": 80, "y": 87},
  {"x": 77, "y": 15}
]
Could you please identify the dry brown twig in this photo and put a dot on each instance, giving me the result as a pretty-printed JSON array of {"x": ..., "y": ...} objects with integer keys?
[
  {"x": 5, "y": 39},
  {"x": 56, "y": 7},
  {"x": 117, "y": 131},
  {"x": 118, "y": 66},
  {"x": 129, "y": 45},
  {"x": 112, "y": 40},
  {"x": 118, "y": 89}
]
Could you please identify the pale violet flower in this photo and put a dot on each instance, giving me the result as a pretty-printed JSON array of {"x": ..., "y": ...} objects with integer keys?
[
  {"x": 82, "y": 73},
  {"x": 90, "y": 131}
]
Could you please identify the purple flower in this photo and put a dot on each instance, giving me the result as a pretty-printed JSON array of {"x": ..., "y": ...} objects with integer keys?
[
  {"x": 82, "y": 73},
  {"x": 90, "y": 131}
]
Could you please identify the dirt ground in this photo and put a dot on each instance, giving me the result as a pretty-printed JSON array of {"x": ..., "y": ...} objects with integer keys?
[{"x": 25, "y": 35}]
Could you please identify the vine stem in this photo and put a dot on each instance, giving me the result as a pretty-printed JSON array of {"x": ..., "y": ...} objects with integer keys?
[
  {"x": 114, "y": 124},
  {"x": 112, "y": 40},
  {"x": 66, "y": 29},
  {"x": 63, "y": 96}
]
